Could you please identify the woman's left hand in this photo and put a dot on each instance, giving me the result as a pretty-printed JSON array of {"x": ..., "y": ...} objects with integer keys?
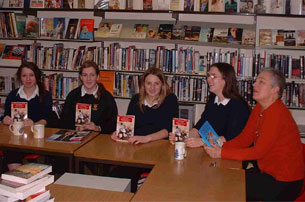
[
  {"x": 88, "y": 126},
  {"x": 213, "y": 152},
  {"x": 139, "y": 139},
  {"x": 28, "y": 122}
]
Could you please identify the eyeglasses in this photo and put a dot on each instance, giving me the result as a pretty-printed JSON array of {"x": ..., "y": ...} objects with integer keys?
[{"x": 212, "y": 76}]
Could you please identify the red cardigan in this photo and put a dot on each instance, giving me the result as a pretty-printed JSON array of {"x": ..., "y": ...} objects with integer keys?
[{"x": 277, "y": 145}]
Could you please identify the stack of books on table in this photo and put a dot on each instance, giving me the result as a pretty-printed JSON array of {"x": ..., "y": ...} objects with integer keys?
[{"x": 27, "y": 183}]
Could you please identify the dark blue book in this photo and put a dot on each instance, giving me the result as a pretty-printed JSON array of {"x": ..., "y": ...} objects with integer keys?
[{"x": 209, "y": 135}]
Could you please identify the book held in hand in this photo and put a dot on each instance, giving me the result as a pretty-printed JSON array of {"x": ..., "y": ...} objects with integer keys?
[
  {"x": 209, "y": 135},
  {"x": 125, "y": 127},
  {"x": 69, "y": 136},
  {"x": 27, "y": 173},
  {"x": 82, "y": 114},
  {"x": 19, "y": 111},
  {"x": 181, "y": 129}
]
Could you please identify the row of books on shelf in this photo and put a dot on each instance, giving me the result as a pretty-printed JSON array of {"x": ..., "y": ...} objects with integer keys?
[
  {"x": 294, "y": 95},
  {"x": 27, "y": 183},
  {"x": 18, "y": 25},
  {"x": 227, "y": 6},
  {"x": 292, "y": 68},
  {"x": 231, "y": 35},
  {"x": 280, "y": 37},
  {"x": 8, "y": 83}
]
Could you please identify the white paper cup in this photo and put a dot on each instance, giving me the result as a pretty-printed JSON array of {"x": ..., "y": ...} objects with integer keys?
[
  {"x": 180, "y": 152},
  {"x": 38, "y": 131},
  {"x": 17, "y": 128}
]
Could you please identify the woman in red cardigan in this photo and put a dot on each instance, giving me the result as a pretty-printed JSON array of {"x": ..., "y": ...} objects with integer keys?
[{"x": 272, "y": 138}]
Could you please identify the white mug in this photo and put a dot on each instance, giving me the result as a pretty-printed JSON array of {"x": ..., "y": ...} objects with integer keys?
[
  {"x": 180, "y": 152},
  {"x": 17, "y": 128},
  {"x": 38, "y": 130}
]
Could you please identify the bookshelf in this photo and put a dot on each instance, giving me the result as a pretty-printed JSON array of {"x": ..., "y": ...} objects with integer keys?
[{"x": 154, "y": 18}]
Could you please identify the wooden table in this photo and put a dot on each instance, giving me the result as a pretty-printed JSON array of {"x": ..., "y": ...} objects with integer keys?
[
  {"x": 190, "y": 179},
  {"x": 28, "y": 144},
  {"x": 71, "y": 193}
]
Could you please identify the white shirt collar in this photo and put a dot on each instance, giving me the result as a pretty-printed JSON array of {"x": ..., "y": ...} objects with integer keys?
[
  {"x": 147, "y": 104},
  {"x": 23, "y": 95},
  {"x": 224, "y": 102},
  {"x": 84, "y": 92}
]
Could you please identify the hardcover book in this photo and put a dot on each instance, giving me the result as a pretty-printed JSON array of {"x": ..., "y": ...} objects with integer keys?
[
  {"x": 82, "y": 114},
  {"x": 181, "y": 129},
  {"x": 19, "y": 111},
  {"x": 69, "y": 136},
  {"x": 209, "y": 135},
  {"x": 125, "y": 127},
  {"x": 27, "y": 173}
]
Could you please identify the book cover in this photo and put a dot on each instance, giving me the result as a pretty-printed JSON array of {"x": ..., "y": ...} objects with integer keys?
[
  {"x": 125, "y": 127},
  {"x": 177, "y": 5},
  {"x": 32, "y": 27},
  {"x": 202, "y": 65},
  {"x": 192, "y": 33},
  {"x": 216, "y": 6},
  {"x": 204, "y": 5},
  {"x": 206, "y": 34},
  {"x": 53, "y": 3},
  {"x": 147, "y": 4},
  {"x": 178, "y": 32},
  {"x": 209, "y": 135},
  {"x": 289, "y": 38},
  {"x": 231, "y": 6},
  {"x": 15, "y": 3},
  {"x": 278, "y": 6},
  {"x": 278, "y": 37},
  {"x": 46, "y": 25},
  {"x": 163, "y": 4},
  {"x": 261, "y": 7},
  {"x": 140, "y": 31},
  {"x": 27, "y": 173},
  {"x": 20, "y": 24},
  {"x": 246, "y": 6},
  {"x": 188, "y": 5},
  {"x": 71, "y": 29},
  {"x": 152, "y": 33},
  {"x": 86, "y": 29},
  {"x": 19, "y": 111},
  {"x": 13, "y": 52},
  {"x": 115, "y": 30},
  {"x": 296, "y": 7},
  {"x": 103, "y": 30},
  {"x": 235, "y": 35},
  {"x": 265, "y": 37},
  {"x": 58, "y": 28},
  {"x": 114, "y": 4},
  {"x": 107, "y": 79},
  {"x": 301, "y": 37},
  {"x": 37, "y": 4},
  {"x": 220, "y": 35},
  {"x": 165, "y": 31},
  {"x": 82, "y": 114},
  {"x": 68, "y": 4},
  {"x": 181, "y": 129},
  {"x": 248, "y": 37},
  {"x": 69, "y": 136}
]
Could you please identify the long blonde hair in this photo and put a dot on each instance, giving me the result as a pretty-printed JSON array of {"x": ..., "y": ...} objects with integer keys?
[{"x": 165, "y": 90}]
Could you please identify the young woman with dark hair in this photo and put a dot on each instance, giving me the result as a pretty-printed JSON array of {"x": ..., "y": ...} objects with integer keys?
[
  {"x": 154, "y": 108},
  {"x": 226, "y": 110},
  {"x": 103, "y": 106},
  {"x": 39, "y": 104}
]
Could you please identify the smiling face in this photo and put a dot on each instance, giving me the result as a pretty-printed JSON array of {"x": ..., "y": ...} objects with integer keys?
[
  {"x": 28, "y": 78},
  {"x": 263, "y": 91},
  {"x": 216, "y": 81},
  {"x": 152, "y": 85},
  {"x": 89, "y": 79}
]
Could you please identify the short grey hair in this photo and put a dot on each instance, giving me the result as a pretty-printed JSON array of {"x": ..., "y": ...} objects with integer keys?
[{"x": 277, "y": 79}]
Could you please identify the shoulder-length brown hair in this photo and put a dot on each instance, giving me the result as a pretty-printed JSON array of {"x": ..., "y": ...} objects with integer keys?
[
  {"x": 165, "y": 90},
  {"x": 92, "y": 64},
  {"x": 38, "y": 76}
]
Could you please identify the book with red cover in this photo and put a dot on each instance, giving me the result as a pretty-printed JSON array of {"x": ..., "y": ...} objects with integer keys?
[
  {"x": 19, "y": 111},
  {"x": 86, "y": 29},
  {"x": 125, "y": 127},
  {"x": 181, "y": 129},
  {"x": 82, "y": 114}
]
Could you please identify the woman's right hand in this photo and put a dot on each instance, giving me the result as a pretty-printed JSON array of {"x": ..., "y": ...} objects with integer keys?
[
  {"x": 8, "y": 120},
  {"x": 193, "y": 142},
  {"x": 172, "y": 138},
  {"x": 114, "y": 136}
]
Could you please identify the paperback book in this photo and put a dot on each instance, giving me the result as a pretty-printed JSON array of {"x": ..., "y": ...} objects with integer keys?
[
  {"x": 220, "y": 35},
  {"x": 209, "y": 135},
  {"x": 13, "y": 52},
  {"x": 246, "y": 6},
  {"x": 69, "y": 136},
  {"x": 125, "y": 127},
  {"x": 32, "y": 27},
  {"x": 181, "y": 129},
  {"x": 301, "y": 38},
  {"x": 216, "y": 6},
  {"x": 27, "y": 173},
  {"x": 103, "y": 30},
  {"x": 19, "y": 111},
  {"x": 115, "y": 30},
  {"x": 140, "y": 31},
  {"x": 206, "y": 34},
  {"x": 204, "y": 4},
  {"x": 235, "y": 35},
  {"x": 248, "y": 37},
  {"x": 82, "y": 114},
  {"x": 192, "y": 33},
  {"x": 231, "y": 6},
  {"x": 165, "y": 31},
  {"x": 46, "y": 25},
  {"x": 71, "y": 29},
  {"x": 86, "y": 29},
  {"x": 15, "y": 3},
  {"x": 37, "y": 4},
  {"x": 265, "y": 37},
  {"x": 178, "y": 32}
]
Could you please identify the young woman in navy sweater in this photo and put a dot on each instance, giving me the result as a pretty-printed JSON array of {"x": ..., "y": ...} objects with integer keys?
[
  {"x": 226, "y": 110},
  {"x": 39, "y": 103}
]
